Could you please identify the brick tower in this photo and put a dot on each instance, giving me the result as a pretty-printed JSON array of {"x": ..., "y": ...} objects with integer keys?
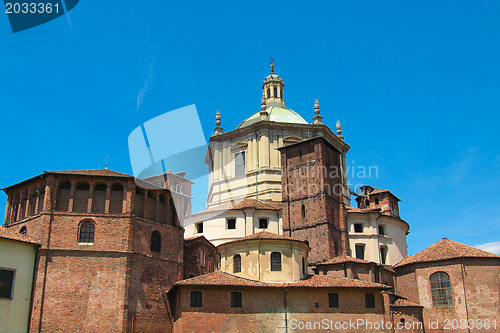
[
  {"x": 110, "y": 250},
  {"x": 313, "y": 197}
]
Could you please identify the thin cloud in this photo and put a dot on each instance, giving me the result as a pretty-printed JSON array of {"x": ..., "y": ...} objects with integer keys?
[
  {"x": 149, "y": 73},
  {"x": 493, "y": 247}
]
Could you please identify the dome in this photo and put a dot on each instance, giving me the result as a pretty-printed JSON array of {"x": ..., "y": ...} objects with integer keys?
[{"x": 277, "y": 113}]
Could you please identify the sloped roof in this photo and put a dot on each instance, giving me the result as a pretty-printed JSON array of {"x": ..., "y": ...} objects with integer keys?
[
  {"x": 220, "y": 278},
  {"x": 246, "y": 203},
  {"x": 443, "y": 250},
  {"x": 342, "y": 259},
  {"x": 92, "y": 172},
  {"x": 7, "y": 233},
  {"x": 263, "y": 235},
  {"x": 405, "y": 303}
]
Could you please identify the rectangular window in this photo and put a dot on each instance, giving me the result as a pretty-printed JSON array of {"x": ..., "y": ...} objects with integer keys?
[
  {"x": 6, "y": 283},
  {"x": 333, "y": 300},
  {"x": 383, "y": 255},
  {"x": 196, "y": 299},
  {"x": 235, "y": 299},
  {"x": 358, "y": 227},
  {"x": 202, "y": 258},
  {"x": 263, "y": 223},
  {"x": 370, "y": 300},
  {"x": 381, "y": 230},
  {"x": 360, "y": 251},
  {"x": 199, "y": 227},
  {"x": 239, "y": 164},
  {"x": 231, "y": 223}
]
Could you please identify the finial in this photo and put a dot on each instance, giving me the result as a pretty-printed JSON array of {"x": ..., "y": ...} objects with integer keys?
[
  {"x": 272, "y": 64},
  {"x": 264, "y": 115},
  {"x": 218, "y": 129},
  {"x": 107, "y": 162},
  {"x": 339, "y": 131},
  {"x": 317, "y": 118}
]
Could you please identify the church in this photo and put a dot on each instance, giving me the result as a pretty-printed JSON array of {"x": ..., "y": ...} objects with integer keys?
[{"x": 279, "y": 248}]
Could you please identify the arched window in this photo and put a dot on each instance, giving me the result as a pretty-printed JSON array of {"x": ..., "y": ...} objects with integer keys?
[
  {"x": 23, "y": 231},
  {"x": 268, "y": 93},
  {"x": 441, "y": 289},
  {"x": 236, "y": 263},
  {"x": 116, "y": 200},
  {"x": 63, "y": 193},
  {"x": 275, "y": 261},
  {"x": 99, "y": 198},
  {"x": 155, "y": 241},
  {"x": 80, "y": 202},
  {"x": 275, "y": 92},
  {"x": 87, "y": 231}
]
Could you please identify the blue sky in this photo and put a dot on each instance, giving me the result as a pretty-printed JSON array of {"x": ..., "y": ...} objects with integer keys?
[{"x": 415, "y": 84}]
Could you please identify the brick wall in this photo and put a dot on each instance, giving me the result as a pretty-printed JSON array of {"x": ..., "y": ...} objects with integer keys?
[
  {"x": 263, "y": 309},
  {"x": 312, "y": 189},
  {"x": 475, "y": 291}
]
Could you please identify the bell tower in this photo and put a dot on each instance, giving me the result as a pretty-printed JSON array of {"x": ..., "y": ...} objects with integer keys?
[{"x": 272, "y": 89}]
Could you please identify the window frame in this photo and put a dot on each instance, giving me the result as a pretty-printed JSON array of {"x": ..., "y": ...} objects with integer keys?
[
  {"x": 263, "y": 219},
  {"x": 381, "y": 227},
  {"x": 444, "y": 292},
  {"x": 358, "y": 225},
  {"x": 233, "y": 219},
  {"x": 370, "y": 301},
  {"x": 155, "y": 244},
  {"x": 199, "y": 226},
  {"x": 276, "y": 266},
  {"x": 195, "y": 299},
  {"x": 237, "y": 263},
  {"x": 84, "y": 240},
  {"x": 236, "y": 299},
  {"x": 12, "y": 283},
  {"x": 240, "y": 163},
  {"x": 333, "y": 300},
  {"x": 362, "y": 246}
]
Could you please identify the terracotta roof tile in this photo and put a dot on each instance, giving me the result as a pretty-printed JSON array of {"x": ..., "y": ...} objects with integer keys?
[
  {"x": 247, "y": 203},
  {"x": 263, "y": 235},
  {"x": 7, "y": 233},
  {"x": 362, "y": 210},
  {"x": 220, "y": 278},
  {"x": 95, "y": 172},
  {"x": 405, "y": 303},
  {"x": 342, "y": 259},
  {"x": 443, "y": 250}
]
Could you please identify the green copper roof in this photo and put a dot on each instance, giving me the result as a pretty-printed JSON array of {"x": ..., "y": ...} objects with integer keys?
[{"x": 278, "y": 114}]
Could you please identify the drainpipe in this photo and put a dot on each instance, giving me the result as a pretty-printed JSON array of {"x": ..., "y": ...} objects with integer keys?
[
  {"x": 33, "y": 282},
  {"x": 286, "y": 316}
]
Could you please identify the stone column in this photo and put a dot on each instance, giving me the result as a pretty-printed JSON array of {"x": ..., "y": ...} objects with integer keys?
[
  {"x": 108, "y": 199},
  {"x": 8, "y": 208},
  {"x": 249, "y": 224},
  {"x": 37, "y": 202},
  {"x": 71, "y": 197},
  {"x": 90, "y": 198},
  {"x": 28, "y": 205},
  {"x": 145, "y": 205},
  {"x": 48, "y": 202}
]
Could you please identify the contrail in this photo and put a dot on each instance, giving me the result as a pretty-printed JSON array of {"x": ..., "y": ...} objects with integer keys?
[{"x": 149, "y": 72}]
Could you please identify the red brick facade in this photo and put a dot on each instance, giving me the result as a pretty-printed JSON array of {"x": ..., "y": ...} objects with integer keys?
[
  {"x": 312, "y": 206},
  {"x": 115, "y": 283},
  {"x": 475, "y": 290}
]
